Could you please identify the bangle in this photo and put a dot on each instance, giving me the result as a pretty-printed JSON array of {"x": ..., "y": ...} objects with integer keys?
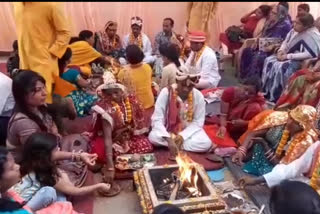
[
  {"x": 243, "y": 150},
  {"x": 78, "y": 156},
  {"x": 272, "y": 158},
  {"x": 110, "y": 169},
  {"x": 72, "y": 156},
  {"x": 268, "y": 152}
]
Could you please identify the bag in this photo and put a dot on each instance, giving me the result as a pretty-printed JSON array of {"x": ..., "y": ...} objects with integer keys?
[{"x": 235, "y": 33}]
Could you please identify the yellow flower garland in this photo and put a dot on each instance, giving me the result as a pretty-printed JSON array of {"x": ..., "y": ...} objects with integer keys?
[
  {"x": 283, "y": 142},
  {"x": 190, "y": 105},
  {"x": 198, "y": 55},
  {"x": 315, "y": 175},
  {"x": 128, "y": 111},
  {"x": 133, "y": 39}
]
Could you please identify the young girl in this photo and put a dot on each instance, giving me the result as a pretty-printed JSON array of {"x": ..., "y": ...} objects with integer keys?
[{"x": 39, "y": 169}]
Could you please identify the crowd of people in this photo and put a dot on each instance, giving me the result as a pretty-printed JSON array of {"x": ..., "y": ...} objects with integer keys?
[{"x": 140, "y": 96}]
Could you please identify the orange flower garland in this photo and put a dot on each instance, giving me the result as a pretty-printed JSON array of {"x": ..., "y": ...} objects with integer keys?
[
  {"x": 198, "y": 55},
  {"x": 128, "y": 111},
  {"x": 315, "y": 175},
  {"x": 133, "y": 39},
  {"x": 283, "y": 142},
  {"x": 190, "y": 105}
]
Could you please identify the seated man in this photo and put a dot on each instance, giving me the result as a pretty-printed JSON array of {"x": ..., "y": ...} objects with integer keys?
[
  {"x": 305, "y": 168},
  {"x": 136, "y": 37},
  {"x": 164, "y": 38},
  {"x": 179, "y": 116},
  {"x": 203, "y": 61}
]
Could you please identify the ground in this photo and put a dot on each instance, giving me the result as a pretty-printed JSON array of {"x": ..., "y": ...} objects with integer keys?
[{"x": 127, "y": 202}]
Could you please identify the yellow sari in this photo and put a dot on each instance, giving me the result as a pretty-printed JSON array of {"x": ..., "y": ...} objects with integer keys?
[{"x": 82, "y": 55}]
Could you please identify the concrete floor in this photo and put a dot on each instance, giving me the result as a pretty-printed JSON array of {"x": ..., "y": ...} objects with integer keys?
[{"x": 127, "y": 202}]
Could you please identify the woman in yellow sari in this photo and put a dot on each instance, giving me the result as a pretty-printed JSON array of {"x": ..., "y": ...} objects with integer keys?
[{"x": 83, "y": 53}]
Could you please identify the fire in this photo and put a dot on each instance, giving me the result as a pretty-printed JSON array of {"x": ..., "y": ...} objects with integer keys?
[{"x": 188, "y": 174}]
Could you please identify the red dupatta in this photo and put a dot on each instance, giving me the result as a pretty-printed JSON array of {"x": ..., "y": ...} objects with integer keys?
[{"x": 173, "y": 121}]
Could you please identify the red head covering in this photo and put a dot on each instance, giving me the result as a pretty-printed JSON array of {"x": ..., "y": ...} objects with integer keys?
[{"x": 197, "y": 36}]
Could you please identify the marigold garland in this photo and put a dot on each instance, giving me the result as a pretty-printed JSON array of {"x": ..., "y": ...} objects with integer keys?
[
  {"x": 190, "y": 105},
  {"x": 198, "y": 55},
  {"x": 292, "y": 146},
  {"x": 283, "y": 142},
  {"x": 133, "y": 39},
  {"x": 128, "y": 111},
  {"x": 315, "y": 175}
]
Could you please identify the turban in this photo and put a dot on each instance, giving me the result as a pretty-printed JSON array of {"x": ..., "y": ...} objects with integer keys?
[
  {"x": 136, "y": 21},
  {"x": 197, "y": 36},
  {"x": 184, "y": 73}
]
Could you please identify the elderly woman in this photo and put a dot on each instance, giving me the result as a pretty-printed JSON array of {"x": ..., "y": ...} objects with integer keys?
[
  {"x": 108, "y": 42},
  {"x": 302, "y": 42},
  {"x": 275, "y": 30},
  {"x": 119, "y": 127},
  {"x": 277, "y": 136}
]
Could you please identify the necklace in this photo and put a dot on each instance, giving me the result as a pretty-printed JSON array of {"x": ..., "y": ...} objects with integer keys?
[
  {"x": 137, "y": 41},
  {"x": 127, "y": 116},
  {"x": 198, "y": 55}
]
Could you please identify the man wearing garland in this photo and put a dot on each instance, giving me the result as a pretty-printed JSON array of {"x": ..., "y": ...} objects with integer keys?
[
  {"x": 178, "y": 119},
  {"x": 203, "y": 61},
  {"x": 140, "y": 39}
]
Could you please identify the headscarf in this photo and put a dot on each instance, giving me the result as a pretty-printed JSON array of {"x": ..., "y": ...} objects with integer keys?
[
  {"x": 282, "y": 14},
  {"x": 197, "y": 36},
  {"x": 305, "y": 115},
  {"x": 136, "y": 20}
]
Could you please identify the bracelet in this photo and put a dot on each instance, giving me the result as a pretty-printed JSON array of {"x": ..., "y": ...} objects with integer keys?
[
  {"x": 243, "y": 150},
  {"x": 110, "y": 169},
  {"x": 272, "y": 158},
  {"x": 78, "y": 156},
  {"x": 72, "y": 156},
  {"x": 269, "y": 156},
  {"x": 268, "y": 152}
]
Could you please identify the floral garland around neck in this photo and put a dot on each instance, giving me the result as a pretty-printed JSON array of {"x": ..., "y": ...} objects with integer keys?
[
  {"x": 133, "y": 39},
  {"x": 283, "y": 142},
  {"x": 190, "y": 105},
  {"x": 198, "y": 55},
  {"x": 315, "y": 175},
  {"x": 127, "y": 116}
]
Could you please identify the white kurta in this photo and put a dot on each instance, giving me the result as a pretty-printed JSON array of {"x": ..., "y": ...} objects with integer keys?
[
  {"x": 207, "y": 66},
  {"x": 146, "y": 48},
  {"x": 294, "y": 170},
  {"x": 6, "y": 99},
  {"x": 195, "y": 138}
]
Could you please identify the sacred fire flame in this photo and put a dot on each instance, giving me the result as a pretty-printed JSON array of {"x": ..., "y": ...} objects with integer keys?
[{"x": 188, "y": 173}]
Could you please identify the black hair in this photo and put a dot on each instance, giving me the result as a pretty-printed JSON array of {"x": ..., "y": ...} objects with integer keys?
[
  {"x": 265, "y": 9},
  {"x": 167, "y": 209},
  {"x": 37, "y": 158},
  {"x": 6, "y": 205},
  {"x": 15, "y": 45},
  {"x": 85, "y": 34},
  {"x": 134, "y": 54},
  {"x": 74, "y": 39},
  {"x": 304, "y": 7},
  {"x": 24, "y": 83},
  {"x": 62, "y": 62},
  {"x": 294, "y": 197},
  {"x": 171, "y": 52},
  {"x": 285, "y": 4},
  {"x": 307, "y": 20},
  {"x": 169, "y": 19},
  {"x": 254, "y": 81}
]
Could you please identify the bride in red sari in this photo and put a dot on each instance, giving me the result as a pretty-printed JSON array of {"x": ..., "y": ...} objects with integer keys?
[{"x": 119, "y": 127}]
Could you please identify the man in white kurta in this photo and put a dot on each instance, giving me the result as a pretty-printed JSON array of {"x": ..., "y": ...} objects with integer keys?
[
  {"x": 194, "y": 137},
  {"x": 136, "y": 37},
  {"x": 203, "y": 60}
]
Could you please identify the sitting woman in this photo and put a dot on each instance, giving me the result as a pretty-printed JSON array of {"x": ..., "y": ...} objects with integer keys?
[
  {"x": 137, "y": 76},
  {"x": 76, "y": 87},
  {"x": 171, "y": 61},
  {"x": 268, "y": 136},
  {"x": 83, "y": 53},
  {"x": 303, "y": 88},
  {"x": 119, "y": 128},
  {"x": 301, "y": 43},
  {"x": 275, "y": 30},
  {"x": 248, "y": 29},
  {"x": 31, "y": 115},
  {"x": 238, "y": 106},
  {"x": 108, "y": 42}
]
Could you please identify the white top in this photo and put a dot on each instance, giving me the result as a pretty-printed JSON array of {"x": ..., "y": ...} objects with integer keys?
[
  {"x": 147, "y": 48},
  {"x": 159, "y": 116},
  {"x": 294, "y": 170},
  {"x": 207, "y": 66},
  {"x": 6, "y": 99}
]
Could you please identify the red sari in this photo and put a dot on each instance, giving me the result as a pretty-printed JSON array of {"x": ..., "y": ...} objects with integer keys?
[
  {"x": 132, "y": 141},
  {"x": 239, "y": 108}
]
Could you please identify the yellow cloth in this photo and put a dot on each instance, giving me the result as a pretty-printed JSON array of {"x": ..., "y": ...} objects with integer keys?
[
  {"x": 43, "y": 36},
  {"x": 82, "y": 55},
  {"x": 138, "y": 80}
]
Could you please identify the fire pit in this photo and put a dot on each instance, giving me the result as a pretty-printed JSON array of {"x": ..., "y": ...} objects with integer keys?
[{"x": 185, "y": 185}]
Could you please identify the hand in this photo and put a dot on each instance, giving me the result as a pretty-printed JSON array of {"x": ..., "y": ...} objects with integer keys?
[
  {"x": 89, "y": 159},
  {"x": 237, "y": 158},
  {"x": 104, "y": 188},
  {"x": 221, "y": 132},
  {"x": 247, "y": 181},
  {"x": 178, "y": 141},
  {"x": 108, "y": 176},
  {"x": 173, "y": 149},
  {"x": 254, "y": 45},
  {"x": 269, "y": 48},
  {"x": 239, "y": 122}
]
